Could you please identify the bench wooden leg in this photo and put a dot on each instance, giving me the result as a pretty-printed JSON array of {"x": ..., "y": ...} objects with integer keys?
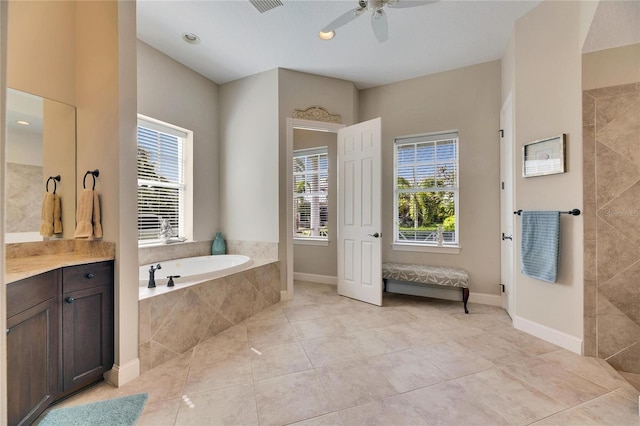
[{"x": 465, "y": 299}]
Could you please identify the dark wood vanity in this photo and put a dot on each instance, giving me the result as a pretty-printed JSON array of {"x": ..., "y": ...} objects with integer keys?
[{"x": 59, "y": 336}]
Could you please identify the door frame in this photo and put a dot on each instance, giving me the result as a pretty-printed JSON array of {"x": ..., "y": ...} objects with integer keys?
[
  {"x": 297, "y": 123},
  {"x": 507, "y": 136}
]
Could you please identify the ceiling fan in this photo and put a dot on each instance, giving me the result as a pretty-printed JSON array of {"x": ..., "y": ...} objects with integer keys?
[{"x": 379, "y": 22}]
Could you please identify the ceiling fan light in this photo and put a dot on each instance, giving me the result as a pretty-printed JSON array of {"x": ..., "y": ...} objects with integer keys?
[{"x": 326, "y": 35}]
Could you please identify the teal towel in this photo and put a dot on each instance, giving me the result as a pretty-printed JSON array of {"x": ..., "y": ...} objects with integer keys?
[{"x": 540, "y": 243}]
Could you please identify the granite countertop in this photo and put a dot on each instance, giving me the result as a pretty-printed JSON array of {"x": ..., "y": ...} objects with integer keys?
[{"x": 24, "y": 260}]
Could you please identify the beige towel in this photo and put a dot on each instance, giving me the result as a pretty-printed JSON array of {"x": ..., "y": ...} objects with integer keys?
[
  {"x": 97, "y": 226},
  {"x": 46, "y": 222},
  {"x": 84, "y": 215},
  {"x": 57, "y": 215}
]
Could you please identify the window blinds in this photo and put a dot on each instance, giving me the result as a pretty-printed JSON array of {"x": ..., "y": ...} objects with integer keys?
[{"x": 160, "y": 179}]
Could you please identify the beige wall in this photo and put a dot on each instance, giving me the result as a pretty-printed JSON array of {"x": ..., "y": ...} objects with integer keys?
[
  {"x": 106, "y": 140},
  {"x": 467, "y": 100},
  {"x": 249, "y": 158},
  {"x": 313, "y": 259},
  {"x": 547, "y": 95},
  {"x": 611, "y": 67},
  {"x": 41, "y": 51},
  {"x": 170, "y": 92}
]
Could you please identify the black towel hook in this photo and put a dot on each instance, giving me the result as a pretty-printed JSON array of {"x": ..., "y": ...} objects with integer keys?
[
  {"x": 94, "y": 173},
  {"x": 55, "y": 186}
]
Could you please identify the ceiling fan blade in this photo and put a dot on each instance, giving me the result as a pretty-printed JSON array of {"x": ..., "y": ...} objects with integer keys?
[
  {"x": 380, "y": 25},
  {"x": 401, "y": 4},
  {"x": 343, "y": 19}
]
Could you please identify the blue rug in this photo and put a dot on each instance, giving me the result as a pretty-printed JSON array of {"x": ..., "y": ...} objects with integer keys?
[{"x": 120, "y": 411}]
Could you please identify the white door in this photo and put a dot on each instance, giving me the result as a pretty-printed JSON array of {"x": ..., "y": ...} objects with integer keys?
[
  {"x": 359, "y": 217},
  {"x": 506, "y": 204}
]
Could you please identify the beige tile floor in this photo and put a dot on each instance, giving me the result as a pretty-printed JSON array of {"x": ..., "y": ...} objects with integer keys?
[{"x": 322, "y": 359}]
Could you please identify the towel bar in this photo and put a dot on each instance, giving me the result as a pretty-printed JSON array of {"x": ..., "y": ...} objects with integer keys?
[{"x": 574, "y": 212}]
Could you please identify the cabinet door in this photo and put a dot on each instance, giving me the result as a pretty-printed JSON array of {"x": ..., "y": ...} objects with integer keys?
[
  {"x": 32, "y": 354},
  {"x": 87, "y": 336}
]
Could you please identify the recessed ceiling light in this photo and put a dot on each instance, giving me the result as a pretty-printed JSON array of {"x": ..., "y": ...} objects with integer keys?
[
  {"x": 327, "y": 36},
  {"x": 23, "y": 122},
  {"x": 191, "y": 38}
]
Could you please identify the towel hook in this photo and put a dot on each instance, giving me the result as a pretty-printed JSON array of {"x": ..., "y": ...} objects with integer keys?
[
  {"x": 55, "y": 186},
  {"x": 94, "y": 173}
]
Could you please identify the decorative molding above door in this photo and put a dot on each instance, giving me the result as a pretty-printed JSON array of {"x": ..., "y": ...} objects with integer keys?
[{"x": 317, "y": 113}]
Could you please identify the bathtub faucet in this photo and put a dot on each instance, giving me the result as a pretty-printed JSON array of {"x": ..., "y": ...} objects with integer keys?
[{"x": 152, "y": 279}]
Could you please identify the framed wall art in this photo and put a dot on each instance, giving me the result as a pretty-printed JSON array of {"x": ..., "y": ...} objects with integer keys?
[{"x": 544, "y": 157}]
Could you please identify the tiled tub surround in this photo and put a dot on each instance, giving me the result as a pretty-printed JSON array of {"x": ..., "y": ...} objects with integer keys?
[
  {"x": 25, "y": 260},
  {"x": 611, "y": 138},
  {"x": 173, "y": 323},
  {"x": 255, "y": 250}
]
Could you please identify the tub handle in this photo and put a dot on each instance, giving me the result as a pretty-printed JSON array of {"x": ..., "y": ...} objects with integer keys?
[{"x": 171, "y": 277}]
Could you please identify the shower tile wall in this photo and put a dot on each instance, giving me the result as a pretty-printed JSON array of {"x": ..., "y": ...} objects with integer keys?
[
  {"x": 24, "y": 197},
  {"x": 175, "y": 322},
  {"x": 611, "y": 138}
]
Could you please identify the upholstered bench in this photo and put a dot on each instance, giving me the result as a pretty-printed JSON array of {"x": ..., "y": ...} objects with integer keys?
[{"x": 425, "y": 274}]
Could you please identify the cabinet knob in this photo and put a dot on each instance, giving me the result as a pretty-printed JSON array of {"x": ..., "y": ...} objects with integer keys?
[
  {"x": 90, "y": 275},
  {"x": 8, "y": 330},
  {"x": 70, "y": 299}
]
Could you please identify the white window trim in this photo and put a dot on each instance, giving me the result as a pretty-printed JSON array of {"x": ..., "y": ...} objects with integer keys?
[
  {"x": 310, "y": 240},
  {"x": 427, "y": 247},
  {"x": 187, "y": 219}
]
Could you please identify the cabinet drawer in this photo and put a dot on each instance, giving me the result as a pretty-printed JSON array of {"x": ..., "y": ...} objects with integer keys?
[
  {"x": 86, "y": 276},
  {"x": 26, "y": 293}
]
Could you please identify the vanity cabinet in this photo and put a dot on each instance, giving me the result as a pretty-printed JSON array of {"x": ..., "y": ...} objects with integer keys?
[
  {"x": 87, "y": 324},
  {"x": 32, "y": 346},
  {"x": 59, "y": 336}
]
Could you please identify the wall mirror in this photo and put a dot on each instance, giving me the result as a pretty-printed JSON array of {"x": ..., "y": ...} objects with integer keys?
[{"x": 41, "y": 143}]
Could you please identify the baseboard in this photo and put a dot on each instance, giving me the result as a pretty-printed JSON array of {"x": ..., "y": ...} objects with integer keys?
[
  {"x": 315, "y": 278},
  {"x": 549, "y": 334},
  {"x": 485, "y": 299},
  {"x": 441, "y": 292},
  {"x": 284, "y": 295},
  {"x": 122, "y": 374}
]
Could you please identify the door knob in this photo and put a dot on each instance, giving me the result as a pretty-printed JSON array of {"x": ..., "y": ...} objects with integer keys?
[
  {"x": 374, "y": 235},
  {"x": 504, "y": 237}
]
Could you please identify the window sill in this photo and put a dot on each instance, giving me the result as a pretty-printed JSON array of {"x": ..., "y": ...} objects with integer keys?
[
  {"x": 158, "y": 243},
  {"x": 426, "y": 248},
  {"x": 310, "y": 242}
]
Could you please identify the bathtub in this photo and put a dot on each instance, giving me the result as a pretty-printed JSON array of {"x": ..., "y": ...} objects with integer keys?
[{"x": 192, "y": 271}]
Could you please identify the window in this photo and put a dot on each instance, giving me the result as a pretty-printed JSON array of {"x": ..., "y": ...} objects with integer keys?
[
  {"x": 161, "y": 179},
  {"x": 426, "y": 190},
  {"x": 310, "y": 193}
]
